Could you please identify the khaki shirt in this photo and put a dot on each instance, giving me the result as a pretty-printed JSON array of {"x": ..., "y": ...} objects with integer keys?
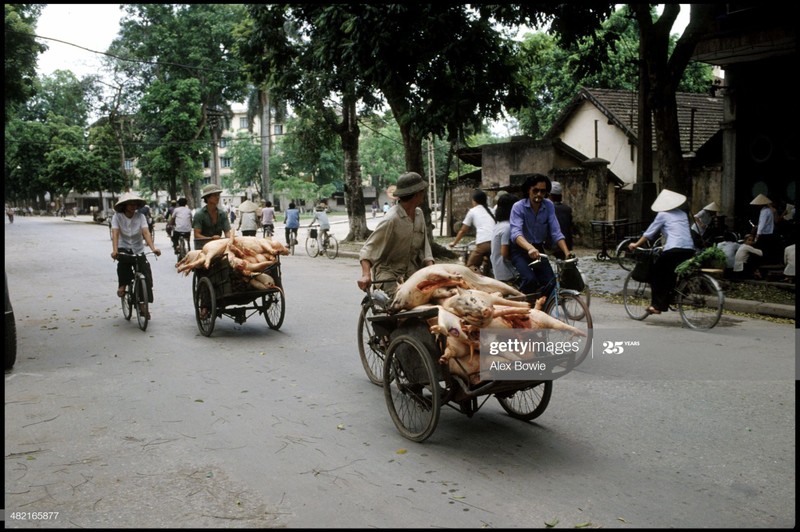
[{"x": 398, "y": 247}]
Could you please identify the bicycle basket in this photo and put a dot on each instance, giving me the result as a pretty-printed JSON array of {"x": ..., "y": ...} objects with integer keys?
[
  {"x": 643, "y": 270},
  {"x": 571, "y": 277},
  {"x": 312, "y": 233}
]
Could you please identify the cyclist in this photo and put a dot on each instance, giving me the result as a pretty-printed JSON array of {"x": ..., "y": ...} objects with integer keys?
[
  {"x": 268, "y": 219},
  {"x": 211, "y": 222},
  {"x": 248, "y": 222},
  {"x": 673, "y": 223},
  {"x": 321, "y": 217},
  {"x": 292, "y": 220},
  {"x": 129, "y": 233},
  {"x": 399, "y": 246},
  {"x": 480, "y": 217},
  {"x": 533, "y": 220},
  {"x": 181, "y": 220}
]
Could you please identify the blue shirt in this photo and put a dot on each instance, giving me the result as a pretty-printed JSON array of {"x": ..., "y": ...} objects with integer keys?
[
  {"x": 535, "y": 226},
  {"x": 292, "y": 218},
  {"x": 674, "y": 225}
]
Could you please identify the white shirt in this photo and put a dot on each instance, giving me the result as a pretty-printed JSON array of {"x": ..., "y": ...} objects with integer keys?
[
  {"x": 742, "y": 254},
  {"x": 788, "y": 259},
  {"x": 183, "y": 219},
  {"x": 479, "y": 218},
  {"x": 130, "y": 231}
]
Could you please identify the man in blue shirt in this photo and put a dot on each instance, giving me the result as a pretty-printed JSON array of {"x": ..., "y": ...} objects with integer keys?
[
  {"x": 533, "y": 220},
  {"x": 292, "y": 220}
]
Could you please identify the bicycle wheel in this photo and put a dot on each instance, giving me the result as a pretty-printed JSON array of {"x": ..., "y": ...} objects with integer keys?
[
  {"x": 411, "y": 388},
  {"x": 636, "y": 297},
  {"x": 182, "y": 249},
  {"x": 624, "y": 256},
  {"x": 332, "y": 250},
  {"x": 205, "y": 305},
  {"x": 142, "y": 308},
  {"x": 700, "y": 301},
  {"x": 312, "y": 247},
  {"x": 529, "y": 403},
  {"x": 275, "y": 308},
  {"x": 127, "y": 302},
  {"x": 292, "y": 240},
  {"x": 369, "y": 346},
  {"x": 572, "y": 310}
]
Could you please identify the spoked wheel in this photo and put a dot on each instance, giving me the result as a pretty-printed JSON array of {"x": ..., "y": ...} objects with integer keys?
[
  {"x": 369, "y": 347},
  {"x": 182, "y": 249},
  {"x": 411, "y": 388},
  {"x": 636, "y": 297},
  {"x": 312, "y": 247},
  {"x": 205, "y": 305},
  {"x": 624, "y": 256},
  {"x": 700, "y": 301},
  {"x": 332, "y": 251},
  {"x": 127, "y": 303},
  {"x": 573, "y": 310},
  {"x": 529, "y": 403},
  {"x": 142, "y": 308},
  {"x": 275, "y": 308}
]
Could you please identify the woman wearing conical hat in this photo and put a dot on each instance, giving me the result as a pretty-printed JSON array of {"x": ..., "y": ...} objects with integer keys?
[
  {"x": 765, "y": 238},
  {"x": 673, "y": 223},
  {"x": 704, "y": 217}
]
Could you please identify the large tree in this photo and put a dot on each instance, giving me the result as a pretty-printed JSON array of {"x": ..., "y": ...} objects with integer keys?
[
  {"x": 167, "y": 47},
  {"x": 21, "y": 52},
  {"x": 663, "y": 73}
]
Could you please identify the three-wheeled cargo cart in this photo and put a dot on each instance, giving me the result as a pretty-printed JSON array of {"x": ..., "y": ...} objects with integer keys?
[{"x": 222, "y": 291}]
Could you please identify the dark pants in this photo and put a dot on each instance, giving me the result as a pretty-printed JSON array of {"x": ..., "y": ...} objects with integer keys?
[
  {"x": 249, "y": 233},
  {"x": 125, "y": 271},
  {"x": 288, "y": 231},
  {"x": 664, "y": 276},
  {"x": 532, "y": 278}
]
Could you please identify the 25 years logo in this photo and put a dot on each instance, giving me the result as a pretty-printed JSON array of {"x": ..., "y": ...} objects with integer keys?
[{"x": 616, "y": 348}]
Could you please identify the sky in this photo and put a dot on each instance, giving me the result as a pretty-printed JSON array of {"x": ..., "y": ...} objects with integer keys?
[
  {"x": 93, "y": 27},
  {"x": 84, "y": 25}
]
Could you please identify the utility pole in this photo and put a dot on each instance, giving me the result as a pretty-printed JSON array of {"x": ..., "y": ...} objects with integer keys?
[{"x": 432, "y": 194}]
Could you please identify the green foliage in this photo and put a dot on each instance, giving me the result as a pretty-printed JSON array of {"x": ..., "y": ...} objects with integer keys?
[
  {"x": 246, "y": 155},
  {"x": 21, "y": 51},
  {"x": 554, "y": 72},
  {"x": 712, "y": 257}
]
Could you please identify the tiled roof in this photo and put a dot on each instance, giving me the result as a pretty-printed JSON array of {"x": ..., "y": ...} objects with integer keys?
[{"x": 621, "y": 108}]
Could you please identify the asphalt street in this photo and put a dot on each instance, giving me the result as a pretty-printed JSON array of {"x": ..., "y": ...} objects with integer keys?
[{"x": 109, "y": 426}]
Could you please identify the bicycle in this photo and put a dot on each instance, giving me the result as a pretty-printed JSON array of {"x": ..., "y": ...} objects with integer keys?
[
  {"x": 292, "y": 240},
  {"x": 268, "y": 230},
  {"x": 135, "y": 295},
  {"x": 564, "y": 304},
  {"x": 697, "y": 296},
  {"x": 320, "y": 242},
  {"x": 466, "y": 250},
  {"x": 182, "y": 247}
]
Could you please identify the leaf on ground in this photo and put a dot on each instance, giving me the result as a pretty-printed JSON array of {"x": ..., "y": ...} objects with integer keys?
[
  {"x": 583, "y": 525},
  {"x": 340, "y": 426},
  {"x": 199, "y": 401},
  {"x": 551, "y": 523},
  {"x": 401, "y": 451}
]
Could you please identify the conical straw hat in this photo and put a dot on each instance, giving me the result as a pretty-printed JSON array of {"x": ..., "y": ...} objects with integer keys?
[
  {"x": 711, "y": 207},
  {"x": 248, "y": 206},
  {"x": 667, "y": 200},
  {"x": 761, "y": 199}
]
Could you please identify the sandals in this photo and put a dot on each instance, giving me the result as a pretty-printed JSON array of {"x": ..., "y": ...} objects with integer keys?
[{"x": 653, "y": 310}]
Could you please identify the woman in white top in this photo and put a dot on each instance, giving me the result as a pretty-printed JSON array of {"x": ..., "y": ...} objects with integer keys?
[
  {"x": 248, "y": 221},
  {"x": 482, "y": 219},
  {"x": 502, "y": 266}
]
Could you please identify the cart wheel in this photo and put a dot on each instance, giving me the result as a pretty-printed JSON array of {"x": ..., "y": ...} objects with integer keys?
[
  {"x": 369, "y": 346},
  {"x": 411, "y": 388},
  {"x": 529, "y": 403},
  {"x": 142, "y": 309},
  {"x": 205, "y": 305},
  {"x": 274, "y": 307}
]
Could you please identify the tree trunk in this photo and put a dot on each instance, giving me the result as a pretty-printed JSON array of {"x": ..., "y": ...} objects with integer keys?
[
  {"x": 266, "y": 142},
  {"x": 354, "y": 194}
]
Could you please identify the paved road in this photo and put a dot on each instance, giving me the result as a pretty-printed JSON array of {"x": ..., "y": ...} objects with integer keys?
[{"x": 113, "y": 427}]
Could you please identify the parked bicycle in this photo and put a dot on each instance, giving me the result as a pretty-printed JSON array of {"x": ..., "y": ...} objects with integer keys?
[
  {"x": 697, "y": 296},
  {"x": 320, "y": 242},
  {"x": 135, "y": 296}
]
